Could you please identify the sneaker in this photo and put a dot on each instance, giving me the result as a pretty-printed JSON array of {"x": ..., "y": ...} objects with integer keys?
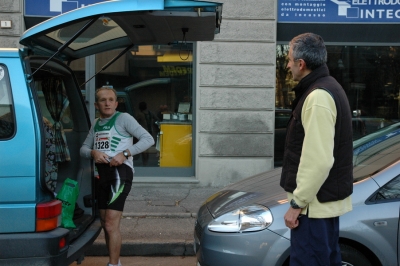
[{"x": 119, "y": 264}]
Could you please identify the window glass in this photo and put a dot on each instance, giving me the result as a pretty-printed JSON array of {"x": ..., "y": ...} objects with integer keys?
[
  {"x": 7, "y": 125},
  {"x": 376, "y": 151},
  {"x": 102, "y": 30},
  {"x": 389, "y": 191},
  {"x": 154, "y": 85},
  {"x": 66, "y": 118},
  {"x": 281, "y": 119},
  {"x": 369, "y": 76}
]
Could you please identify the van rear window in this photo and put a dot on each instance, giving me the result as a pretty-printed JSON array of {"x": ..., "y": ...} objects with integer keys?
[{"x": 7, "y": 125}]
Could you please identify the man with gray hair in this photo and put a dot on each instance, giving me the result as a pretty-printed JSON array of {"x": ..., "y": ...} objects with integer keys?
[{"x": 317, "y": 168}]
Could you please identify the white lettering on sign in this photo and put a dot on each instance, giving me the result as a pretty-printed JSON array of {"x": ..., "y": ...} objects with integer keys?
[
  {"x": 361, "y": 2},
  {"x": 380, "y": 13},
  {"x": 387, "y": 2},
  {"x": 355, "y": 10}
]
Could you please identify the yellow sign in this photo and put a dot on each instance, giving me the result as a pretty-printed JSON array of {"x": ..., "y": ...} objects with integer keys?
[{"x": 172, "y": 71}]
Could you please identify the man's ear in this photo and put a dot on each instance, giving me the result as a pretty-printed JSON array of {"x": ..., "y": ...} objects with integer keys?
[
  {"x": 302, "y": 64},
  {"x": 95, "y": 106}
]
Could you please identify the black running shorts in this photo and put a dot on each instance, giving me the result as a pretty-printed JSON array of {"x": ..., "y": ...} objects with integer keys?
[{"x": 113, "y": 186}]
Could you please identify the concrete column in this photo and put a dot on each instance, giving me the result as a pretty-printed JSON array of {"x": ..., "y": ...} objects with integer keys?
[{"x": 235, "y": 94}]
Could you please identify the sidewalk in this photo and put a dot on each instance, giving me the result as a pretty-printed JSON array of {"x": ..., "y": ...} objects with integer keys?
[{"x": 158, "y": 220}]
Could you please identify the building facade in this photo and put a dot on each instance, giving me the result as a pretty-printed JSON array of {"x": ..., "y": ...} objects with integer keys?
[{"x": 234, "y": 84}]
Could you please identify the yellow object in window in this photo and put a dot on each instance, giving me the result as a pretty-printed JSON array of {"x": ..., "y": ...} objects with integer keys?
[{"x": 176, "y": 145}]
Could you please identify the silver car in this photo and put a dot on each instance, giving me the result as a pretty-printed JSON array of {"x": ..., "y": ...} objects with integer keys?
[{"x": 243, "y": 223}]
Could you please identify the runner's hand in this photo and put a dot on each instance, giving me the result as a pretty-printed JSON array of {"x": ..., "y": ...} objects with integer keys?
[
  {"x": 99, "y": 157},
  {"x": 118, "y": 159}
]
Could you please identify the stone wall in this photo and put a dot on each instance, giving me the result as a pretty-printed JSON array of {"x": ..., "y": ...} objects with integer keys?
[
  {"x": 11, "y": 10},
  {"x": 235, "y": 94}
]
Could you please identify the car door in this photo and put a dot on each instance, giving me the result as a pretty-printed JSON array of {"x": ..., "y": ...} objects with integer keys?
[
  {"x": 372, "y": 227},
  {"x": 386, "y": 218}
]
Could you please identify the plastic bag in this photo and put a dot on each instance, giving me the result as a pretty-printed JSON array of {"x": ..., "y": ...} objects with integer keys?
[{"x": 68, "y": 195}]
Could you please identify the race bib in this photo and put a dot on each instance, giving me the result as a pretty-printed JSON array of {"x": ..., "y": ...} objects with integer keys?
[{"x": 102, "y": 141}]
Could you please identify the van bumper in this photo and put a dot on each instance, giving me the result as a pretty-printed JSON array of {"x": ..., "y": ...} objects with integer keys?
[{"x": 43, "y": 248}]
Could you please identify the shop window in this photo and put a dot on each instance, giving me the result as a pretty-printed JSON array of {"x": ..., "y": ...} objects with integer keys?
[
  {"x": 7, "y": 125},
  {"x": 154, "y": 84},
  {"x": 368, "y": 74}
]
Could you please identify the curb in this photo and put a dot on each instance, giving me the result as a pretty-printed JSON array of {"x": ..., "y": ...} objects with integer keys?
[
  {"x": 178, "y": 248},
  {"x": 160, "y": 214}
]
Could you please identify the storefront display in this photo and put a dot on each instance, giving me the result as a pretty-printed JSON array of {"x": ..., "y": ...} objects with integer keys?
[
  {"x": 368, "y": 74},
  {"x": 154, "y": 84},
  {"x": 175, "y": 144}
]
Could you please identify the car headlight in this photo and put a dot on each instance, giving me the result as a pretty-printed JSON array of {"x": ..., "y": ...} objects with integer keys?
[{"x": 245, "y": 219}]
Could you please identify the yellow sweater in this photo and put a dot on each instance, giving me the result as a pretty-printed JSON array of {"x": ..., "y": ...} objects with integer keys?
[{"x": 318, "y": 117}]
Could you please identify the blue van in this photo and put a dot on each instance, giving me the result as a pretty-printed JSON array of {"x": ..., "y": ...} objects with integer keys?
[{"x": 44, "y": 121}]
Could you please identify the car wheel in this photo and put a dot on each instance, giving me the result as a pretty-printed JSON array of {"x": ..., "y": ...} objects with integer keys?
[{"x": 353, "y": 257}]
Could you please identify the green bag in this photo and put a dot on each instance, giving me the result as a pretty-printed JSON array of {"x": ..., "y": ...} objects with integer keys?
[{"x": 68, "y": 195}]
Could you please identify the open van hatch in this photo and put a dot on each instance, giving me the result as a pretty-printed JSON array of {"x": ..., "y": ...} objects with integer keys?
[{"x": 117, "y": 24}]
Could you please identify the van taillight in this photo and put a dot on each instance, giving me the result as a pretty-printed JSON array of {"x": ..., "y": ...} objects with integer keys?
[
  {"x": 48, "y": 215},
  {"x": 61, "y": 243}
]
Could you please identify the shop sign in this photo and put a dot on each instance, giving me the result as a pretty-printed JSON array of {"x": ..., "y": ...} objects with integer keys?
[
  {"x": 50, "y": 8},
  {"x": 339, "y": 11},
  {"x": 173, "y": 71}
]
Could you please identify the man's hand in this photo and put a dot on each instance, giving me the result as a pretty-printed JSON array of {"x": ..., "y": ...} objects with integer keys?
[
  {"x": 118, "y": 159},
  {"x": 99, "y": 157},
  {"x": 291, "y": 218}
]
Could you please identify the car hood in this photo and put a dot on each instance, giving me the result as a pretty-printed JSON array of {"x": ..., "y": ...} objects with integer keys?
[
  {"x": 263, "y": 189},
  {"x": 121, "y": 23}
]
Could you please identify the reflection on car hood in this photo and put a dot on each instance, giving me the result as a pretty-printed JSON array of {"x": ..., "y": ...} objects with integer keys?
[{"x": 263, "y": 189}]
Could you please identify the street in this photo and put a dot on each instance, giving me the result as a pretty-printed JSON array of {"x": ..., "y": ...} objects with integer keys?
[{"x": 142, "y": 261}]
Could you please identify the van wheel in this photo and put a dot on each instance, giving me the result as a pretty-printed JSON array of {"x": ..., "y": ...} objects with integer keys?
[{"x": 353, "y": 257}]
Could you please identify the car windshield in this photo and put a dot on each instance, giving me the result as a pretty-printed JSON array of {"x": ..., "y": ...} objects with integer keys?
[{"x": 376, "y": 151}]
